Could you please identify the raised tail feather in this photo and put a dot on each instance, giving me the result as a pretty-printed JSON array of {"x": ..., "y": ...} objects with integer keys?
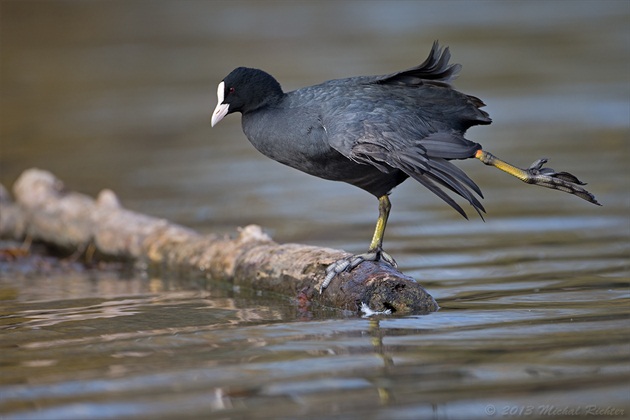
[{"x": 435, "y": 69}]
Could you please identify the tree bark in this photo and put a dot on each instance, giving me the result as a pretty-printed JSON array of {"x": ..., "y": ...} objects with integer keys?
[{"x": 45, "y": 211}]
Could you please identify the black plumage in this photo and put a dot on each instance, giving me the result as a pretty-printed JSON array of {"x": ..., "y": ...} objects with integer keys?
[{"x": 374, "y": 132}]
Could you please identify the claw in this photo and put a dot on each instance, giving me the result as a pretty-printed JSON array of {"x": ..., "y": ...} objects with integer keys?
[
  {"x": 536, "y": 169},
  {"x": 350, "y": 263},
  {"x": 538, "y": 164},
  {"x": 562, "y": 181},
  {"x": 388, "y": 259}
]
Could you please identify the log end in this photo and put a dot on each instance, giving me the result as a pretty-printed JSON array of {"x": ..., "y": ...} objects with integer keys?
[{"x": 380, "y": 287}]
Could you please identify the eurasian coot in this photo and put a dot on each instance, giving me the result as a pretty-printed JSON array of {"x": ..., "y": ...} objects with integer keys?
[{"x": 374, "y": 132}]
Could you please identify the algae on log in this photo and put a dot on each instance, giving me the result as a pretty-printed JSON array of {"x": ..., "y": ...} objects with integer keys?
[{"x": 45, "y": 211}]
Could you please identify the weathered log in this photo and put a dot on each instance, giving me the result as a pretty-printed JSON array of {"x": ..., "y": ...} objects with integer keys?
[{"x": 45, "y": 211}]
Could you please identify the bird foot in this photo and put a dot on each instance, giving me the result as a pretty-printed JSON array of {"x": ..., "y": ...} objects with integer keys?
[
  {"x": 350, "y": 263},
  {"x": 563, "y": 181}
]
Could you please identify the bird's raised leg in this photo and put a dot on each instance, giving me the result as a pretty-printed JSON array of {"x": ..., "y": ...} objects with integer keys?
[
  {"x": 536, "y": 174},
  {"x": 375, "y": 251}
]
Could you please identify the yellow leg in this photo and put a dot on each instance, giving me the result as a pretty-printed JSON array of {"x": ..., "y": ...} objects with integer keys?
[
  {"x": 491, "y": 160},
  {"x": 384, "y": 206},
  {"x": 537, "y": 175},
  {"x": 374, "y": 253}
]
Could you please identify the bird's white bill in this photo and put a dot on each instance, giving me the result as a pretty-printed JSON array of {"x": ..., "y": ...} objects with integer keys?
[
  {"x": 219, "y": 112},
  {"x": 222, "y": 109}
]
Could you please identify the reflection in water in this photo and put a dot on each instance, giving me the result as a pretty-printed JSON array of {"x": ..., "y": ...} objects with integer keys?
[
  {"x": 534, "y": 301},
  {"x": 234, "y": 353}
]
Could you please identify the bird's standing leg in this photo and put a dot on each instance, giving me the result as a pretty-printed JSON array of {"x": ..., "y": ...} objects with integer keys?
[
  {"x": 375, "y": 251},
  {"x": 537, "y": 175}
]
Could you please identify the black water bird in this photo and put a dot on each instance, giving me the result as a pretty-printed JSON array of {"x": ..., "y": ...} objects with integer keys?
[{"x": 374, "y": 132}]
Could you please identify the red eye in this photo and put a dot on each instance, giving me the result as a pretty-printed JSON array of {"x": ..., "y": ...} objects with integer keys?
[{"x": 231, "y": 90}]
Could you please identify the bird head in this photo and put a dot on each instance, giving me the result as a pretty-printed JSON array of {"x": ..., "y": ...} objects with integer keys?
[{"x": 245, "y": 90}]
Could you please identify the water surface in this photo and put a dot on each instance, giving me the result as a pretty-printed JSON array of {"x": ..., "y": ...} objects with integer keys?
[{"x": 534, "y": 301}]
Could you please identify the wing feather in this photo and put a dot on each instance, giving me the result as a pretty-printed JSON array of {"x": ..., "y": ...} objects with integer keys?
[
  {"x": 415, "y": 162},
  {"x": 411, "y": 121},
  {"x": 434, "y": 70}
]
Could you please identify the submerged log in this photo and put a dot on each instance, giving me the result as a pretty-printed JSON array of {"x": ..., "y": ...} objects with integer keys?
[{"x": 45, "y": 211}]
